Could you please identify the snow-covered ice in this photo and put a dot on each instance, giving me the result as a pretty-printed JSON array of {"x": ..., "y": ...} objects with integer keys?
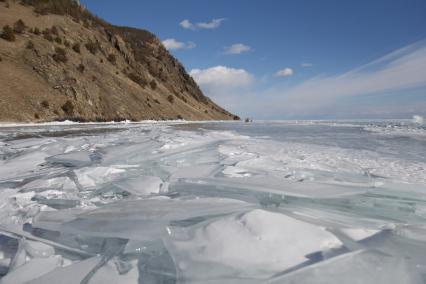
[
  {"x": 257, "y": 243},
  {"x": 213, "y": 202}
]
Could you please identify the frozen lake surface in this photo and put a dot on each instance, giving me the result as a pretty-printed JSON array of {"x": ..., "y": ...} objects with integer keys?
[{"x": 214, "y": 202}]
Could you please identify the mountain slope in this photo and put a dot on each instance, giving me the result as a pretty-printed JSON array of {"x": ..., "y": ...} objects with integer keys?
[{"x": 61, "y": 62}]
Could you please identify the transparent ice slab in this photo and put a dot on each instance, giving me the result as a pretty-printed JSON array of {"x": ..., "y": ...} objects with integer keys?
[
  {"x": 358, "y": 267},
  {"x": 138, "y": 220}
]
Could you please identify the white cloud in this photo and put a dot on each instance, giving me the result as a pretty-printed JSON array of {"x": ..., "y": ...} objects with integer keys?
[
  {"x": 173, "y": 44},
  {"x": 224, "y": 85},
  {"x": 213, "y": 24},
  {"x": 186, "y": 24},
  {"x": 221, "y": 77},
  {"x": 306, "y": 64},
  {"x": 284, "y": 72},
  {"x": 237, "y": 48}
]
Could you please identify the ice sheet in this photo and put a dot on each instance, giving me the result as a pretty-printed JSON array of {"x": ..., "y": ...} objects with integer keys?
[{"x": 216, "y": 202}]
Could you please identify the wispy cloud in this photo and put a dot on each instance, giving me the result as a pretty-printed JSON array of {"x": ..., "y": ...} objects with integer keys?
[
  {"x": 284, "y": 72},
  {"x": 306, "y": 64},
  {"x": 237, "y": 48},
  {"x": 399, "y": 70},
  {"x": 213, "y": 24},
  {"x": 173, "y": 44}
]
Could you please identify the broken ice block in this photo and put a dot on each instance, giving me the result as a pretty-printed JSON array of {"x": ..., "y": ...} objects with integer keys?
[
  {"x": 109, "y": 273},
  {"x": 142, "y": 185},
  {"x": 71, "y": 274},
  {"x": 21, "y": 166},
  {"x": 90, "y": 177},
  {"x": 157, "y": 267},
  {"x": 366, "y": 267},
  {"x": 33, "y": 269},
  {"x": 57, "y": 203},
  {"x": 71, "y": 159},
  {"x": 57, "y": 183},
  {"x": 139, "y": 219},
  {"x": 38, "y": 249}
]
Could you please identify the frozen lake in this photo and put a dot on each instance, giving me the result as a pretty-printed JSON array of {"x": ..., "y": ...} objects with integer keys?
[{"x": 214, "y": 202}]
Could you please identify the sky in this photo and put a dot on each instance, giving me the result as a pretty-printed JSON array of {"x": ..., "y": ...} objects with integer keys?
[{"x": 293, "y": 59}]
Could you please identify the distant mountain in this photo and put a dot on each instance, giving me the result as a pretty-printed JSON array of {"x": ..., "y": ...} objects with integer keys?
[{"x": 58, "y": 61}]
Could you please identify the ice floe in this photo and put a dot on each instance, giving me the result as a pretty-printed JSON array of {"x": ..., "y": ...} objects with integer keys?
[{"x": 213, "y": 202}]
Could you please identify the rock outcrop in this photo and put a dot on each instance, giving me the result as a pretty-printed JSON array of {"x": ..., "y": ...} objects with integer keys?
[{"x": 58, "y": 61}]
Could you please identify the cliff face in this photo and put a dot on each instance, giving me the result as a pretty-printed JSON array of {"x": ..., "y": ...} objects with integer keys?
[{"x": 57, "y": 61}]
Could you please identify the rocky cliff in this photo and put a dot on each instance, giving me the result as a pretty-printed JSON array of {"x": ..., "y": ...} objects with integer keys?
[{"x": 58, "y": 61}]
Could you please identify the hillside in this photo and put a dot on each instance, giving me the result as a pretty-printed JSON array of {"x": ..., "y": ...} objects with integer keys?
[{"x": 58, "y": 61}]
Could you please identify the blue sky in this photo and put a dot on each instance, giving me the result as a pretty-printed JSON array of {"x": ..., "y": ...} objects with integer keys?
[{"x": 282, "y": 59}]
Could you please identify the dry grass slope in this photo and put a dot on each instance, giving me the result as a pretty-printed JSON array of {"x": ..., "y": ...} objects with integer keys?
[{"x": 58, "y": 61}]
